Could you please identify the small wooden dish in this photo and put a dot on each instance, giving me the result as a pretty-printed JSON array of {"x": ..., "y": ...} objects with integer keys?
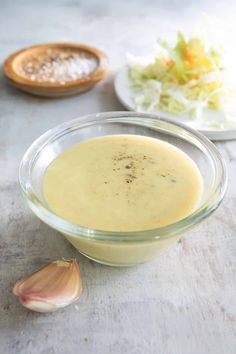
[{"x": 14, "y": 75}]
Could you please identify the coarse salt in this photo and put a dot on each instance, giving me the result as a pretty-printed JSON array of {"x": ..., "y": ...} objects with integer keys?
[{"x": 58, "y": 66}]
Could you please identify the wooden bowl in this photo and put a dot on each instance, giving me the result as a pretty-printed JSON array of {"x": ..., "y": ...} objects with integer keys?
[{"x": 12, "y": 68}]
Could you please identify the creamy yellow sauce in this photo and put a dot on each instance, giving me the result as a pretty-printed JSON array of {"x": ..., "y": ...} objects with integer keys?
[{"x": 123, "y": 183}]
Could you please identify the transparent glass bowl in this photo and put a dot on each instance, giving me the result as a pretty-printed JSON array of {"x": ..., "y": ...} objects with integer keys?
[{"x": 122, "y": 248}]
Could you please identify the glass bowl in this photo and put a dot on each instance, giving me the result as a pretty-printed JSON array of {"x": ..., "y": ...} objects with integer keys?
[{"x": 122, "y": 248}]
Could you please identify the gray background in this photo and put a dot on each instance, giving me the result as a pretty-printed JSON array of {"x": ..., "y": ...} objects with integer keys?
[{"x": 181, "y": 303}]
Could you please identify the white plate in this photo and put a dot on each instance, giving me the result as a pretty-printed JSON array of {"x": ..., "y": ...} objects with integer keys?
[{"x": 125, "y": 96}]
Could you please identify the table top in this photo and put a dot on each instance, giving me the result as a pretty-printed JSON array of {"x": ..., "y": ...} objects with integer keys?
[{"x": 182, "y": 302}]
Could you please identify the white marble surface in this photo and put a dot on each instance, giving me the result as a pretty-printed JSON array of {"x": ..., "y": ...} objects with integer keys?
[{"x": 181, "y": 303}]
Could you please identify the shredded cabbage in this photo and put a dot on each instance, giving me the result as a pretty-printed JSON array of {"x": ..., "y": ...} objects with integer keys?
[{"x": 185, "y": 80}]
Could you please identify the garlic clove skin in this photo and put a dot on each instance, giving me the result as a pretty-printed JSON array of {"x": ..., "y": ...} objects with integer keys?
[{"x": 54, "y": 286}]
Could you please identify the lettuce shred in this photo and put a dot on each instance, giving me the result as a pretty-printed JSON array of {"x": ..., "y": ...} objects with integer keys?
[{"x": 186, "y": 79}]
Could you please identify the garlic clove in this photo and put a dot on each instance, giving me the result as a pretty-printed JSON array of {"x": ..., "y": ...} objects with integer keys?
[{"x": 56, "y": 285}]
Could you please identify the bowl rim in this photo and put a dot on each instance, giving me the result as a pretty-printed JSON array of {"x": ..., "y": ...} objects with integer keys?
[{"x": 81, "y": 232}]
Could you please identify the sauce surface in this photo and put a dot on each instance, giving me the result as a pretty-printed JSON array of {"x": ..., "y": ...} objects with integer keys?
[{"x": 122, "y": 183}]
